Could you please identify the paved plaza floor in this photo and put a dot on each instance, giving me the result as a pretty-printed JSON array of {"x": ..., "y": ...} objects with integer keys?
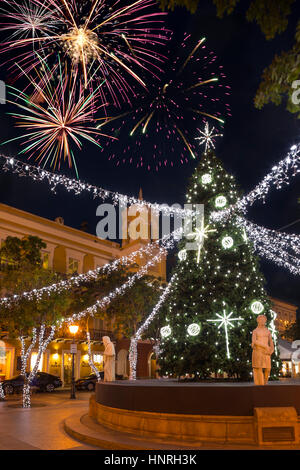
[{"x": 41, "y": 427}]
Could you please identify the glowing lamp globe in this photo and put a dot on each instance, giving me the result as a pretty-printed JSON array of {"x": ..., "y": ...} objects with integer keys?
[
  {"x": 257, "y": 307},
  {"x": 220, "y": 202},
  {"x": 73, "y": 329},
  {"x": 193, "y": 329},
  {"x": 165, "y": 331}
]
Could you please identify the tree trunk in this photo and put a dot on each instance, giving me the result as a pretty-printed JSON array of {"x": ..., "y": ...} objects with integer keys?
[
  {"x": 42, "y": 345},
  {"x": 2, "y": 396},
  {"x": 132, "y": 358},
  {"x": 24, "y": 359},
  {"x": 91, "y": 362}
]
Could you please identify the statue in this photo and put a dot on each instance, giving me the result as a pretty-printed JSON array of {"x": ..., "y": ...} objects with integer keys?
[
  {"x": 109, "y": 360},
  {"x": 263, "y": 348}
]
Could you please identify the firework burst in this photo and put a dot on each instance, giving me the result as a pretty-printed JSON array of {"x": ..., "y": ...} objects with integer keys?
[
  {"x": 58, "y": 113},
  {"x": 163, "y": 125},
  {"x": 120, "y": 40},
  {"x": 27, "y": 20}
]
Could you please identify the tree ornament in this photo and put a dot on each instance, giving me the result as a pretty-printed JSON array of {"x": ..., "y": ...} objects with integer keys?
[
  {"x": 206, "y": 179},
  {"x": 226, "y": 321},
  {"x": 257, "y": 307},
  {"x": 165, "y": 331},
  {"x": 207, "y": 137},
  {"x": 193, "y": 329},
  {"x": 227, "y": 242},
  {"x": 220, "y": 202},
  {"x": 182, "y": 255}
]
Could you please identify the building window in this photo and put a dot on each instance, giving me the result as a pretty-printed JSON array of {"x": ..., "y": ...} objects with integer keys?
[
  {"x": 73, "y": 266},
  {"x": 33, "y": 361},
  {"x": 98, "y": 358},
  {"x": 45, "y": 258}
]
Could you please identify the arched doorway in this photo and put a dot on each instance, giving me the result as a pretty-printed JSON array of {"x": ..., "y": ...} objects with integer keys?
[
  {"x": 152, "y": 365},
  {"x": 122, "y": 363}
]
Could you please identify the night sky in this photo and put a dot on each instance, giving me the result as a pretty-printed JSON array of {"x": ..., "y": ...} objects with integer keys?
[{"x": 254, "y": 140}]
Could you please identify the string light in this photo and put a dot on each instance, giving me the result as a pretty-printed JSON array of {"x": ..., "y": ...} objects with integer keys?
[
  {"x": 278, "y": 177},
  {"x": 105, "y": 301},
  {"x": 92, "y": 275},
  {"x": 54, "y": 180},
  {"x": 134, "y": 340}
]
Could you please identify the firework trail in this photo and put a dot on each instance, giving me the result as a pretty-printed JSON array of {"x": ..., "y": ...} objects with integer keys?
[
  {"x": 164, "y": 123},
  {"x": 58, "y": 113},
  {"x": 122, "y": 41}
]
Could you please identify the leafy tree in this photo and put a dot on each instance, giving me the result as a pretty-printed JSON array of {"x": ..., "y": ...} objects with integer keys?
[
  {"x": 272, "y": 16},
  {"x": 226, "y": 281},
  {"x": 34, "y": 318},
  {"x": 292, "y": 332}
]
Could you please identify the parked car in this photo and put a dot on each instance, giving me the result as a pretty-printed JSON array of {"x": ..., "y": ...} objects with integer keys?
[
  {"x": 42, "y": 381},
  {"x": 89, "y": 382}
]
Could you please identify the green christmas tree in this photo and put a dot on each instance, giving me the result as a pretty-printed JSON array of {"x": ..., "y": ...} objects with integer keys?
[{"x": 217, "y": 296}]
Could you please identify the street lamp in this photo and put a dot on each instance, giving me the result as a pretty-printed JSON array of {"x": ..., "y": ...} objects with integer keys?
[{"x": 73, "y": 330}]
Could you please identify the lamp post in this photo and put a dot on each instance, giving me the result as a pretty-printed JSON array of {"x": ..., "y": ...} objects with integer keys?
[{"x": 73, "y": 330}]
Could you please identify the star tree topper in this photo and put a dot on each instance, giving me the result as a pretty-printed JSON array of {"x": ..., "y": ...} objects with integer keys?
[{"x": 207, "y": 137}]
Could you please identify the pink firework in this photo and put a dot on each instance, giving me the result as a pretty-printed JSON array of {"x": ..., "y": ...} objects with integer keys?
[
  {"x": 117, "y": 42},
  {"x": 162, "y": 128},
  {"x": 58, "y": 114}
]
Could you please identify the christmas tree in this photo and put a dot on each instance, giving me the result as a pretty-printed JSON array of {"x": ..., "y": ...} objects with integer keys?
[{"x": 218, "y": 291}]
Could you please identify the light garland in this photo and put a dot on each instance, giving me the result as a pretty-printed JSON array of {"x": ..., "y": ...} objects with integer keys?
[
  {"x": 278, "y": 177},
  {"x": 225, "y": 321},
  {"x": 134, "y": 340},
  {"x": 105, "y": 301},
  {"x": 273, "y": 330},
  {"x": 54, "y": 180},
  {"x": 92, "y": 275},
  {"x": 42, "y": 345},
  {"x": 91, "y": 362},
  {"x": 273, "y": 245}
]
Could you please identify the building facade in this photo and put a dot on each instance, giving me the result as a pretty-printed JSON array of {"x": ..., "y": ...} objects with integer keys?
[{"x": 68, "y": 251}]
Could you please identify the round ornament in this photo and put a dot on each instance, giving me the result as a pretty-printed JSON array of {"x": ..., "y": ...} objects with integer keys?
[
  {"x": 257, "y": 307},
  {"x": 165, "y": 331},
  {"x": 220, "y": 202},
  {"x": 182, "y": 254},
  {"x": 227, "y": 242},
  {"x": 193, "y": 329},
  {"x": 206, "y": 179}
]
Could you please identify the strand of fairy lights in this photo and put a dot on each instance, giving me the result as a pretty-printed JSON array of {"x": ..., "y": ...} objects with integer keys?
[
  {"x": 134, "y": 340},
  {"x": 92, "y": 275},
  {"x": 105, "y": 301},
  {"x": 273, "y": 247},
  {"x": 278, "y": 177},
  {"x": 281, "y": 240},
  {"x": 42, "y": 346},
  {"x": 77, "y": 186}
]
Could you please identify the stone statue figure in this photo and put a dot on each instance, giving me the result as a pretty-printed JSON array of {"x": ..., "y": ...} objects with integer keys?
[
  {"x": 109, "y": 360},
  {"x": 263, "y": 348}
]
